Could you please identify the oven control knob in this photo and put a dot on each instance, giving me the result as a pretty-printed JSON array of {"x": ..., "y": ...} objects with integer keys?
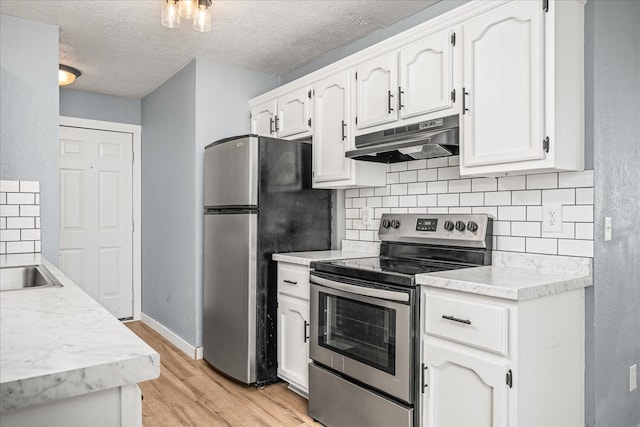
[
  {"x": 460, "y": 226},
  {"x": 472, "y": 226},
  {"x": 386, "y": 223},
  {"x": 448, "y": 225},
  {"x": 395, "y": 223}
]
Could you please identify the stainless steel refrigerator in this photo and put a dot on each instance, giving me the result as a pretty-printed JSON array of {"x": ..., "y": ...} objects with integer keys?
[{"x": 258, "y": 201}]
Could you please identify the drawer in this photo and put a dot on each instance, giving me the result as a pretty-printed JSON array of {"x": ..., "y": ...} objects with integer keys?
[
  {"x": 476, "y": 323},
  {"x": 293, "y": 280}
]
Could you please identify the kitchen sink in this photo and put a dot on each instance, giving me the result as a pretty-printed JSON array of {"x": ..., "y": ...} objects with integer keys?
[{"x": 26, "y": 277}]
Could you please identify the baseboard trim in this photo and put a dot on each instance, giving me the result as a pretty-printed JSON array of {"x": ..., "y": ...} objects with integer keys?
[{"x": 191, "y": 351}]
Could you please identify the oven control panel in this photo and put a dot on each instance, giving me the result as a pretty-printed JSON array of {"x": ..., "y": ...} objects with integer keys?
[{"x": 472, "y": 230}]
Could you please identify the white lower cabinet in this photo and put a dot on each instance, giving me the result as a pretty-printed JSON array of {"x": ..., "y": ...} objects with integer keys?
[
  {"x": 293, "y": 326},
  {"x": 494, "y": 362}
]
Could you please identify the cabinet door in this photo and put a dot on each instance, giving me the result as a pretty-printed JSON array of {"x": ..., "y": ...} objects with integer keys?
[
  {"x": 503, "y": 69},
  {"x": 293, "y": 116},
  {"x": 377, "y": 90},
  {"x": 461, "y": 389},
  {"x": 263, "y": 119},
  {"x": 426, "y": 75},
  {"x": 331, "y": 129},
  {"x": 293, "y": 341}
]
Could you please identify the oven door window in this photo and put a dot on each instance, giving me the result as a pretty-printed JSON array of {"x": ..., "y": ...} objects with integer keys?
[{"x": 361, "y": 331}]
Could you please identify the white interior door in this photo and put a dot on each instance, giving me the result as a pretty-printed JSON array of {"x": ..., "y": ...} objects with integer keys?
[{"x": 96, "y": 217}]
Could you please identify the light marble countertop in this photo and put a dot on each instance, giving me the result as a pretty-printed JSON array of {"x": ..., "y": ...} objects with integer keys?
[
  {"x": 306, "y": 258},
  {"x": 505, "y": 282},
  {"x": 59, "y": 342}
]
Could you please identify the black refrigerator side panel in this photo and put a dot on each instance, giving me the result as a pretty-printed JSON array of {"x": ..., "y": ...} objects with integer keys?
[{"x": 292, "y": 217}]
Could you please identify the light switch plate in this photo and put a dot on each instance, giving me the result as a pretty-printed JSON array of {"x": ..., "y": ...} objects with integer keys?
[
  {"x": 633, "y": 377},
  {"x": 607, "y": 228}
]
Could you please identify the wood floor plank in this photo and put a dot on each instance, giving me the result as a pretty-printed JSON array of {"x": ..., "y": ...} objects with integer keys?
[{"x": 192, "y": 393}]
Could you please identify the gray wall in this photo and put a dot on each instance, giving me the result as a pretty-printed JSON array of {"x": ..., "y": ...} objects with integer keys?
[
  {"x": 29, "y": 116},
  {"x": 97, "y": 106},
  {"x": 615, "y": 89},
  {"x": 204, "y": 102}
]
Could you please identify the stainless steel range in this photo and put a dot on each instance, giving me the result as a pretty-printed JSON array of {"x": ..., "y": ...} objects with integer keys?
[{"x": 365, "y": 312}]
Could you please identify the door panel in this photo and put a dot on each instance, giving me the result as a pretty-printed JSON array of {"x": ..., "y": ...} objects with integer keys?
[
  {"x": 376, "y": 91},
  {"x": 231, "y": 173},
  {"x": 293, "y": 113},
  {"x": 96, "y": 215},
  {"x": 262, "y": 119},
  {"x": 293, "y": 348},
  {"x": 229, "y": 297}
]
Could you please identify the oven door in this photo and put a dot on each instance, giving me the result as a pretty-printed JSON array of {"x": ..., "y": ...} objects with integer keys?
[{"x": 364, "y": 331}]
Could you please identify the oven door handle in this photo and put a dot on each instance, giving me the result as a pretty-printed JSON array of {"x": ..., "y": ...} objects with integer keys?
[{"x": 361, "y": 290}]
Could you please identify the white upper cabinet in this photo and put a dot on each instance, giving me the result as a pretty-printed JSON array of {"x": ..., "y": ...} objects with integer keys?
[
  {"x": 333, "y": 136},
  {"x": 376, "y": 91},
  {"x": 522, "y": 107},
  {"x": 426, "y": 75},
  {"x": 287, "y": 116}
]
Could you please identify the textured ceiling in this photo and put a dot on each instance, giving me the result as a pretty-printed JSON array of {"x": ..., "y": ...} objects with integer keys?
[{"x": 122, "y": 49}]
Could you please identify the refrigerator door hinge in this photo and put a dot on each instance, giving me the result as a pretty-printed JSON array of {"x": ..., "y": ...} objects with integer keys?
[
  {"x": 423, "y": 380},
  {"x": 309, "y": 122},
  {"x": 453, "y": 39},
  {"x": 545, "y": 144},
  {"x": 545, "y": 5},
  {"x": 510, "y": 378},
  {"x": 453, "y": 95}
]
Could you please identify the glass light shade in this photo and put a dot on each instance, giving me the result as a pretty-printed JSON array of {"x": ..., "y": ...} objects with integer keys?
[
  {"x": 202, "y": 19},
  {"x": 188, "y": 8},
  {"x": 170, "y": 15},
  {"x": 67, "y": 75}
]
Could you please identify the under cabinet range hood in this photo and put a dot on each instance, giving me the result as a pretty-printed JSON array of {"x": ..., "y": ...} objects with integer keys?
[{"x": 424, "y": 140}]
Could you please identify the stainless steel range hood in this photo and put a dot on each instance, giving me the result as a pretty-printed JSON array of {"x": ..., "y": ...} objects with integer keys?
[{"x": 424, "y": 140}]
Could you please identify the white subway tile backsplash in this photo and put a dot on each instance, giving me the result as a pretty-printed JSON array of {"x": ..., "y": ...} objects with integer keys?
[
  {"x": 501, "y": 228},
  {"x": 10, "y": 235},
  {"x": 427, "y": 175},
  {"x": 460, "y": 210},
  {"x": 32, "y": 234},
  {"x": 472, "y": 199},
  {"x": 10, "y": 210},
  {"x": 351, "y": 234},
  {"x": 584, "y": 230},
  {"x": 417, "y": 188},
  {"x": 417, "y": 210},
  {"x": 417, "y": 164},
  {"x": 8, "y": 186},
  {"x": 359, "y": 202},
  {"x": 38, "y": 199},
  {"x": 348, "y": 203},
  {"x": 37, "y": 246},
  {"x": 438, "y": 210},
  {"x": 398, "y": 189},
  {"x": 37, "y": 222},
  {"x": 492, "y": 211},
  {"x": 526, "y": 197},
  {"x": 393, "y": 178},
  {"x": 437, "y": 187},
  {"x": 3, "y": 198},
  {"x": 451, "y": 172},
  {"x": 29, "y": 187},
  {"x": 484, "y": 184},
  {"x": 568, "y": 232},
  {"x": 534, "y": 213},
  {"x": 542, "y": 246},
  {"x": 497, "y": 198},
  {"x": 408, "y": 176},
  {"x": 20, "y": 222},
  {"x": 542, "y": 181},
  {"x": 583, "y": 248},
  {"x": 407, "y": 201},
  {"x": 366, "y": 235},
  {"x": 525, "y": 229},
  {"x": 390, "y": 201},
  {"x": 428, "y": 200},
  {"x": 399, "y": 210},
  {"x": 454, "y": 161},
  {"x": 448, "y": 200},
  {"x": 381, "y": 191},
  {"x": 559, "y": 197},
  {"x": 379, "y": 211},
  {"x": 575, "y": 179},
  {"x": 460, "y": 186},
  {"x": 512, "y": 183},
  {"x": 511, "y": 244},
  {"x": 374, "y": 202},
  {"x": 3, "y": 223},
  {"x": 395, "y": 167},
  {"x": 367, "y": 192},
  {"x": 20, "y": 247},
  {"x": 438, "y": 162},
  {"x": 577, "y": 213},
  {"x": 512, "y": 213},
  {"x": 21, "y": 199},
  {"x": 29, "y": 210},
  {"x": 352, "y": 213},
  {"x": 353, "y": 192},
  {"x": 584, "y": 196}
]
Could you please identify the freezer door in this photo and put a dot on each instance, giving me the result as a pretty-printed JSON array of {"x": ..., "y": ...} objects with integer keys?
[
  {"x": 229, "y": 297},
  {"x": 231, "y": 173}
]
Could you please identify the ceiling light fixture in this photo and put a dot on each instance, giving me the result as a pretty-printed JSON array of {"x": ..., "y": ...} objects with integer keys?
[
  {"x": 67, "y": 75},
  {"x": 197, "y": 10}
]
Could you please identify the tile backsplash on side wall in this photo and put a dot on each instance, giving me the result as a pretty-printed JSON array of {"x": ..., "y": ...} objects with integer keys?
[
  {"x": 514, "y": 202},
  {"x": 19, "y": 217}
]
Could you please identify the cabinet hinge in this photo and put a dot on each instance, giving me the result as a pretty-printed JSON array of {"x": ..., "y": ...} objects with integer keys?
[
  {"x": 133, "y": 227},
  {"x": 453, "y": 39},
  {"x": 309, "y": 122},
  {"x": 356, "y": 119},
  {"x": 423, "y": 380},
  {"x": 133, "y": 156},
  {"x": 545, "y": 5},
  {"x": 250, "y": 116},
  {"x": 356, "y": 75},
  {"x": 309, "y": 93},
  {"x": 510, "y": 378},
  {"x": 453, "y": 95},
  {"x": 545, "y": 144}
]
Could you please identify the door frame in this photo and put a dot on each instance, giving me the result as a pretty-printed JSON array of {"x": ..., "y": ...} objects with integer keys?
[{"x": 136, "y": 184}]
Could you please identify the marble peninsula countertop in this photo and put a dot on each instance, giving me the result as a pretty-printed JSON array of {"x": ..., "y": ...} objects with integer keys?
[
  {"x": 59, "y": 342},
  {"x": 306, "y": 258},
  {"x": 511, "y": 283}
]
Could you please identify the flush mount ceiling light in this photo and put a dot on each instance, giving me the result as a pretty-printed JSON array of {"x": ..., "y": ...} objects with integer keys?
[
  {"x": 67, "y": 75},
  {"x": 197, "y": 10}
]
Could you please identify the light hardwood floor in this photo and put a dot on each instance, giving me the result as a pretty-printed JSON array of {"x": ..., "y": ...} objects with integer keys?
[{"x": 191, "y": 393}]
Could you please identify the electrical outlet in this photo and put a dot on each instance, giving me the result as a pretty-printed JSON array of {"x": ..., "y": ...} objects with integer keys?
[
  {"x": 367, "y": 216},
  {"x": 633, "y": 378},
  {"x": 552, "y": 218}
]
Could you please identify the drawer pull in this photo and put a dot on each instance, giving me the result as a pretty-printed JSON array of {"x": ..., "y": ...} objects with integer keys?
[
  {"x": 291, "y": 282},
  {"x": 455, "y": 319}
]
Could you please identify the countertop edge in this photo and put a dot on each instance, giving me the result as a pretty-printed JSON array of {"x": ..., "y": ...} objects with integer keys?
[{"x": 306, "y": 258}]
